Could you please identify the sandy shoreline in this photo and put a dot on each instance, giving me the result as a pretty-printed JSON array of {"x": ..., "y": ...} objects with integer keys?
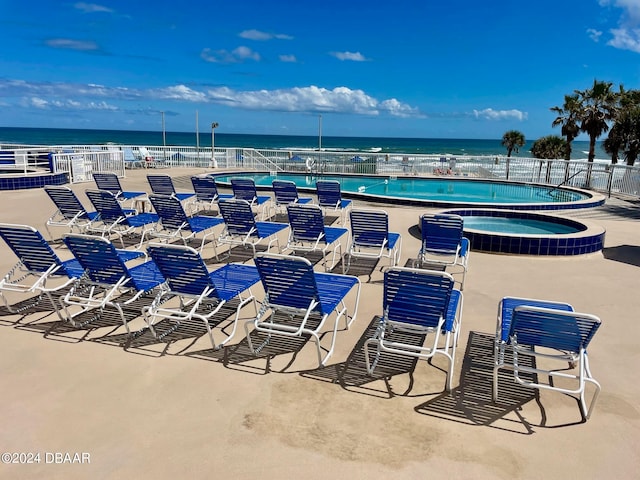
[{"x": 146, "y": 412}]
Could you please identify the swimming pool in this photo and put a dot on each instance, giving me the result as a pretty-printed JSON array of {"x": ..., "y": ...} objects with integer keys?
[{"x": 449, "y": 191}]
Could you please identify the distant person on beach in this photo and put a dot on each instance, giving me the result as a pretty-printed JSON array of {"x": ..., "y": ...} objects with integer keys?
[{"x": 405, "y": 164}]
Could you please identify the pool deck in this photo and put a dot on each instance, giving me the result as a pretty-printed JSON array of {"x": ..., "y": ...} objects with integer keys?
[{"x": 173, "y": 410}]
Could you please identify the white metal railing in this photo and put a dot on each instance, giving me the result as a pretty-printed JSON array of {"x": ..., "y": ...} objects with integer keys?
[
  {"x": 81, "y": 161},
  {"x": 24, "y": 161}
]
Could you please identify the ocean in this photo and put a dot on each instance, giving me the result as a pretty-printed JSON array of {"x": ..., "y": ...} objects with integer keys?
[{"x": 444, "y": 146}]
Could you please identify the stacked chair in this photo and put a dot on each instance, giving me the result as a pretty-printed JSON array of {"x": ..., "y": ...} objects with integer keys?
[{"x": 552, "y": 332}]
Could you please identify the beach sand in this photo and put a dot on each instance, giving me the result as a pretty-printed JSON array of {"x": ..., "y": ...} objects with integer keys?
[{"x": 183, "y": 411}]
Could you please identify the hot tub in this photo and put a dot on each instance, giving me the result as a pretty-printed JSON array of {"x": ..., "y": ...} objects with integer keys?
[{"x": 526, "y": 233}]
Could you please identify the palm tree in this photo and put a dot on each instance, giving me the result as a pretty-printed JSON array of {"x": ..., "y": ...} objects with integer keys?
[
  {"x": 551, "y": 146},
  {"x": 623, "y": 135},
  {"x": 598, "y": 106},
  {"x": 631, "y": 128},
  {"x": 568, "y": 117},
  {"x": 614, "y": 142},
  {"x": 512, "y": 141}
]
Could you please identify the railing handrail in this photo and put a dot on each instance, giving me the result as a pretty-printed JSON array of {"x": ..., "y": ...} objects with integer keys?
[
  {"x": 86, "y": 159},
  {"x": 565, "y": 181}
]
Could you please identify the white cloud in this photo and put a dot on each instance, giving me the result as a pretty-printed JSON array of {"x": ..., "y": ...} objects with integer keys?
[
  {"x": 491, "y": 114},
  {"x": 91, "y": 7},
  {"x": 625, "y": 39},
  {"x": 353, "y": 56},
  {"x": 68, "y": 104},
  {"x": 299, "y": 99},
  {"x": 238, "y": 55},
  {"x": 399, "y": 109},
  {"x": 311, "y": 99},
  {"x": 594, "y": 34},
  {"x": 182, "y": 92},
  {"x": 630, "y": 9},
  {"x": 288, "y": 58},
  {"x": 67, "y": 43},
  {"x": 627, "y": 35},
  {"x": 263, "y": 36},
  {"x": 39, "y": 102}
]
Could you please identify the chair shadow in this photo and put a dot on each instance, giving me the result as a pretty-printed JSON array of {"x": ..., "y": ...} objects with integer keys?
[
  {"x": 352, "y": 374},
  {"x": 359, "y": 266},
  {"x": 27, "y": 307},
  {"x": 471, "y": 402},
  {"x": 236, "y": 254},
  {"x": 239, "y": 356},
  {"x": 88, "y": 322},
  {"x": 629, "y": 254}
]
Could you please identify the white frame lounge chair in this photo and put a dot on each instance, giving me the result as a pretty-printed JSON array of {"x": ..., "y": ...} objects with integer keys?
[
  {"x": 39, "y": 270},
  {"x": 369, "y": 237},
  {"x": 306, "y": 298},
  {"x": 443, "y": 242},
  {"x": 106, "y": 279},
  {"x": 241, "y": 227},
  {"x": 420, "y": 302},
  {"x": 553, "y": 333},
  {"x": 330, "y": 199},
  {"x": 308, "y": 233},
  {"x": 201, "y": 293}
]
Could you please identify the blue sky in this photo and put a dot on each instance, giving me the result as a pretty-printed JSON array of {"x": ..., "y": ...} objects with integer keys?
[{"x": 454, "y": 69}]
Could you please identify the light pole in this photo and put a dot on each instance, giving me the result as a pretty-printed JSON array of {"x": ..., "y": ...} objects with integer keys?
[
  {"x": 214, "y": 163},
  {"x": 164, "y": 138}
]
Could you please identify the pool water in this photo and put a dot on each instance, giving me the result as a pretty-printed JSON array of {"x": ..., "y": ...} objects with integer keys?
[
  {"x": 449, "y": 190},
  {"x": 520, "y": 226},
  {"x": 527, "y": 233}
]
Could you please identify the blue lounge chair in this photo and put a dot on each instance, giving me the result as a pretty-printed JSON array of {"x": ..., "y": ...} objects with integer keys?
[
  {"x": 112, "y": 219},
  {"x": 305, "y": 298},
  {"x": 130, "y": 159},
  {"x": 163, "y": 185},
  {"x": 106, "y": 281},
  {"x": 370, "y": 237},
  {"x": 175, "y": 224},
  {"x": 330, "y": 198},
  {"x": 418, "y": 302},
  {"x": 241, "y": 227},
  {"x": 443, "y": 242},
  {"x": 245, "y": 189},
  {"x": 39, "y": 269},
  {"x": 111, "y": 183},
  {"x": 70, "y": 213},
  {"x": 207, "y": 194},
  {"x": 308, "y": 233},
  {"x": 201, "y": 293},
  {"x": 561, "y": 334},
  {"x": 286, "y": 193}
]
